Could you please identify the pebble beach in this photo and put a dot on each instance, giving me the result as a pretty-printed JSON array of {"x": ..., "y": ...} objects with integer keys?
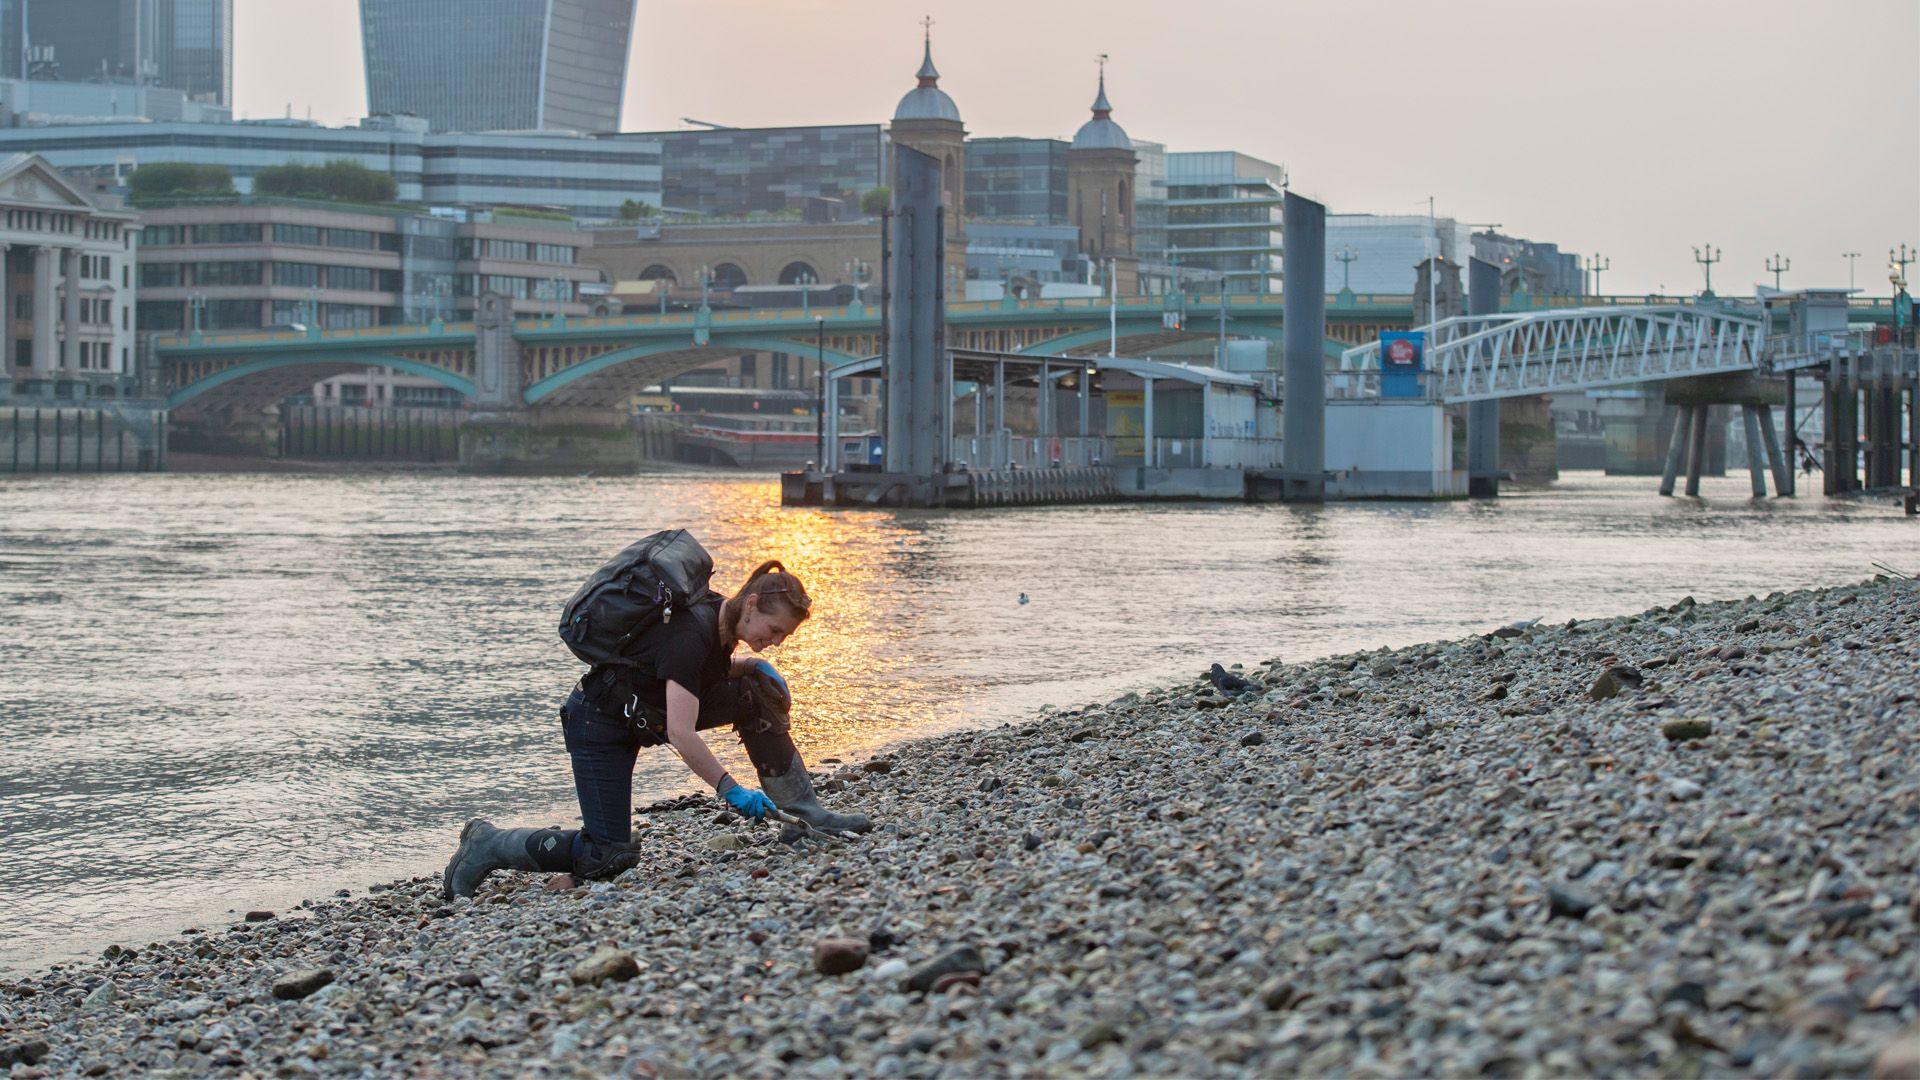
[{"x": 1684, "y": 842}]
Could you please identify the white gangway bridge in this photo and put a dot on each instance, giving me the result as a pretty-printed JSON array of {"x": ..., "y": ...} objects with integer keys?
[
  {"x": 1484, "y": 358},
  {"x": 1523, "y": 353}
]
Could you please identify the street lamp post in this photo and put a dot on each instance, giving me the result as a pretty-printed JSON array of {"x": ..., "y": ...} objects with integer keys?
[
  {"x": 1777, "y": 266},
  {"x": 1347, "y": 257},
  {"x": 1596, "y": 263},
  {"x": 820, "y": 391},
  {"x": 1900, "y": 263},
  {"x": 1850, "y": 256},
  {"x": 1706, "y": 257}
]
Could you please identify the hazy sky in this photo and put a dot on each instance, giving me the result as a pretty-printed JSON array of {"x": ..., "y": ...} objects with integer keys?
[{"x": 1635, "y": 128}]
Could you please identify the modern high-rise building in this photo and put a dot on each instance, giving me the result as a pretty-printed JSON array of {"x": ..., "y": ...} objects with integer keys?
[
  {"x": 733, "y": 171},
  {"x": 1016, "y": 179},
  {"x": 1223, "y": 217},
  {"x": 189, "y": 46},
  {"x": 184, "y": 45},
  {"x": 498, "y": 65}
]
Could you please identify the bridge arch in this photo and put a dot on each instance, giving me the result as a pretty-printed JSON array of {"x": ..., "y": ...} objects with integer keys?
[
  {"x": 678, "y": 356},
  {"x": 728, "y": 275},
  {"x": 291, "y": 370},
  {"x": 798, "y": 271},
  {"x": 660, "y": 272}
]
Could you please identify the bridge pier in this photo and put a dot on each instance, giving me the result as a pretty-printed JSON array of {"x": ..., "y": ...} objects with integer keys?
[
  {"x": 1782, "y": 470},
  {"x": 1756, "y": 454},
  {"x": 1696, "y": 448},
  {"x": 1913, "y": 432},
  {"x": 1677, "y": 453},
  {"x": 1884, "y": 435},
  {"x": 1840, "y": 452}
]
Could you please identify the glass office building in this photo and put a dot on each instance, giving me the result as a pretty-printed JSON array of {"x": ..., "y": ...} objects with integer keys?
[
  {"x": 582, "y": 177},
  {"x": 1014, "y": 179},
  {"x": 1383, "y": 251},
  {"x": 498, "y": 65},
  {"x": 190, "y": 46},
  {"x": 184, "y": 45},
  {"x": 1223, "y": 216},
  {"x": 998, "y": 250},
  {"x": 732, "y": 171},
  {"x": 587, "y": 178}
]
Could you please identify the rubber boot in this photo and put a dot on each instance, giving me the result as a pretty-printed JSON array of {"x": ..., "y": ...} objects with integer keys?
[
  {"x": 792, "y": 791},
  {"x": 484, "y": 849}
]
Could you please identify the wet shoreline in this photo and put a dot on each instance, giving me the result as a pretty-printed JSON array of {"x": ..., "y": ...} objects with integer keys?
[{"x": 1464, "y": 856}]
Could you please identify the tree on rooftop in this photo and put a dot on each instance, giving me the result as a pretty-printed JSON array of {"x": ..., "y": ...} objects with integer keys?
[
  {"x": 635, "y": 210},
  {"x": 178, "y": 180},
  {"x": 336, "y": 181},
  {"x": 877, "y": 201}
]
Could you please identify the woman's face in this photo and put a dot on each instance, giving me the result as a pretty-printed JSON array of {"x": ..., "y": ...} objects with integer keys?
[{"x": 762, "y": 630}]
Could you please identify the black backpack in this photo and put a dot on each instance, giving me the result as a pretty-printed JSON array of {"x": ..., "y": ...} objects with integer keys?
[{"x": 638, "y": 589}]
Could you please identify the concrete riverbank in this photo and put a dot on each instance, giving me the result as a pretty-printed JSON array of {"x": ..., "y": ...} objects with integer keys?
[{"x": 1670, "y": 843}]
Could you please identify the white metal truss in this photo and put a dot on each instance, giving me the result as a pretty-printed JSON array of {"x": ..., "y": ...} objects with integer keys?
[{"x": 1519, "y": 354}]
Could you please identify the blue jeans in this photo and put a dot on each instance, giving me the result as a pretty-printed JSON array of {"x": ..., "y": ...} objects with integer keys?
[{"x": 603, "y": 748}]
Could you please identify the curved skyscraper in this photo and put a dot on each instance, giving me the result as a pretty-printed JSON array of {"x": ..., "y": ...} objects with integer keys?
[{"x": 498, "y": 65}]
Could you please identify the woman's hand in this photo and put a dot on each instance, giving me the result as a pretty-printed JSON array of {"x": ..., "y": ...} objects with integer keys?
[{"x": 749, "y": 801}]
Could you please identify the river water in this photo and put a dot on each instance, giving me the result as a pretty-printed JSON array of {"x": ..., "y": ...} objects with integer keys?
[{"x": 229, "y": 692}]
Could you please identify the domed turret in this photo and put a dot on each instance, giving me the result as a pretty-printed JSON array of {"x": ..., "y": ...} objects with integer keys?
[
  {"x": 1100, "y": 176},
  {"x": 1101, "y": 133},
  {"x": 927, "y": 101}
]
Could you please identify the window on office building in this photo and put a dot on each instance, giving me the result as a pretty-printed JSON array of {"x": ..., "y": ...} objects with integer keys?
[
  {"x": 232, "y": 314},
  {"x": 159, "y": 275},
  {"x": 350, "y": 277},
  {"x": 363, "y": 240},
  {"x": 304, "y": 275},
  {"x": 347, "y": 316},
  {"x": 299, "y": 235},
  {"x": 231, "y": 232},
  {"x": 226, "y": 273}
]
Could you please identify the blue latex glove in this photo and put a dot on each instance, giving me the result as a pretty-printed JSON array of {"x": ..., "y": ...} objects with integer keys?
[
  {"x": 749, "y": 801},
  {"x": 767, "y": 669}
]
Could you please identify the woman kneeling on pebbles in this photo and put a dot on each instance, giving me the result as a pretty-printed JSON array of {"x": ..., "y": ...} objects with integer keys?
[{"x": 688, "y": 680}]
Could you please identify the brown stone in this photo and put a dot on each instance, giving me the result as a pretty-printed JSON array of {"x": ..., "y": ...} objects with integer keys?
[
  {"x": 606, "y": 963},
  {"x": 838, "y": 956}
]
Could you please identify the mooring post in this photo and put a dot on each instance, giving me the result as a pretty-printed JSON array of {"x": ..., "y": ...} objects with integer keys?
[
  {"x": 1677, "y": 450},
  {"x": 1001, "y": 451},
  {"x": 1304, "y": 409},
  {"x": 1483, "y": 417},
  {"x": 1086, "y": 405},
  {"x": 1147, "y": 455},
  {"x": 919, "y": 398},
  {"x": 1697, "y": 454}
]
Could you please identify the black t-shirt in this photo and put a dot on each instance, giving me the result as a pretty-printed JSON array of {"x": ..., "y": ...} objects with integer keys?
[{"x": 685, "y": 650}]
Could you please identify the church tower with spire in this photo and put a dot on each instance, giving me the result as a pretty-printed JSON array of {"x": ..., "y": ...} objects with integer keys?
[
  {"x": 928, "y": 121},
  {"x": 1100, "y": 179}
]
